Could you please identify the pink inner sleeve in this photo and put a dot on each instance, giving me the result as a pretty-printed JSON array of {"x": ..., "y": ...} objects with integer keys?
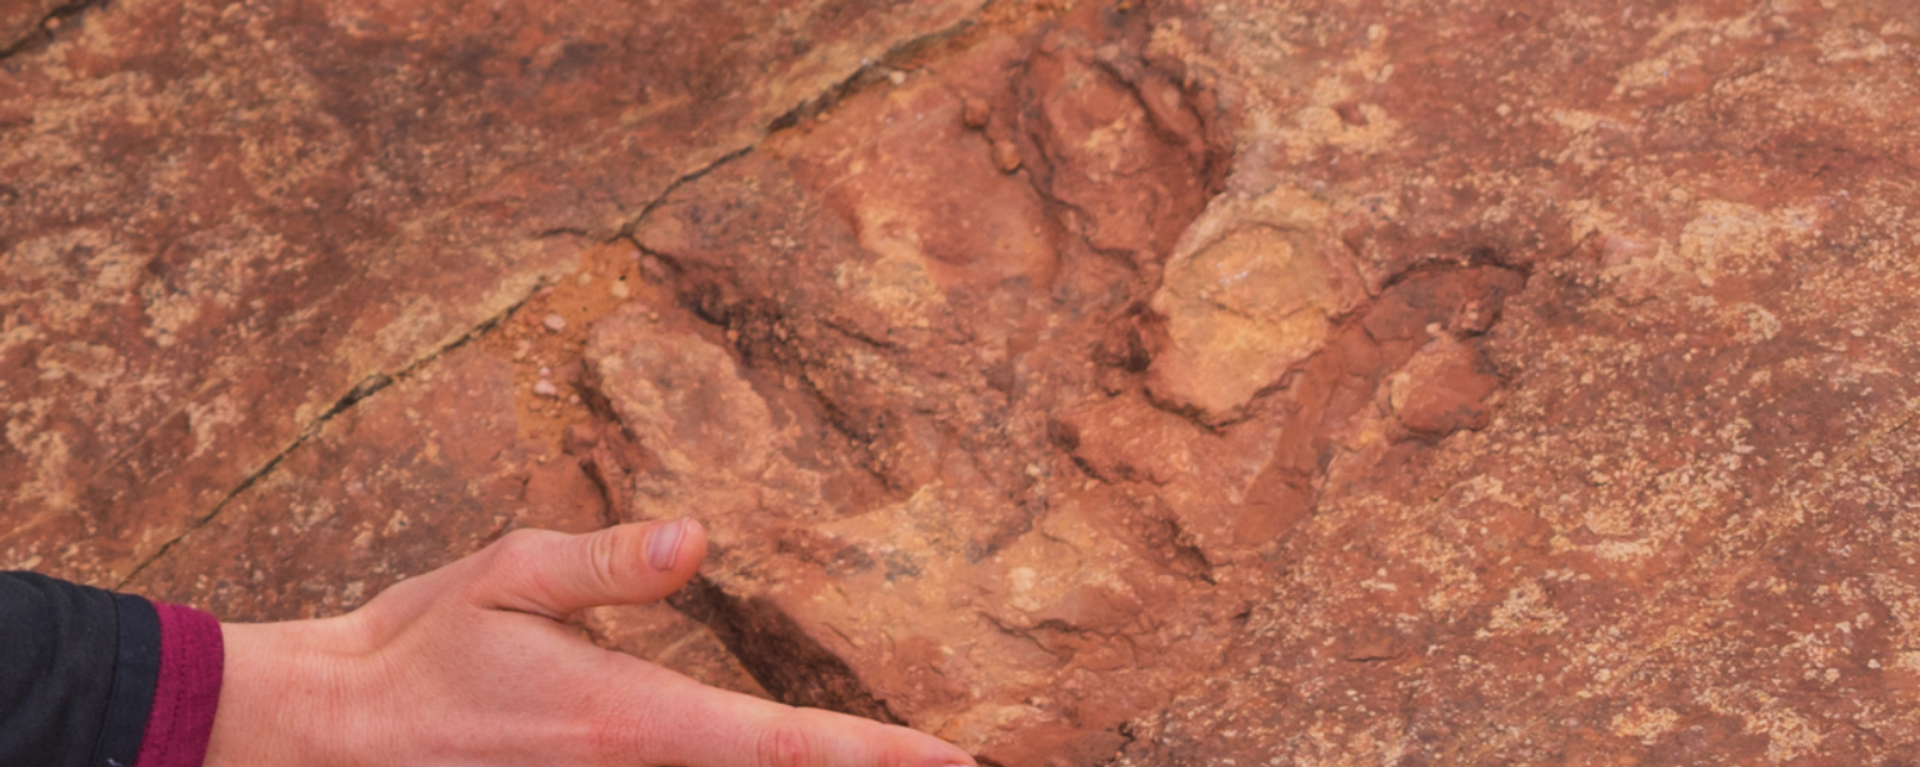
[{"x": 192, "y": 657}]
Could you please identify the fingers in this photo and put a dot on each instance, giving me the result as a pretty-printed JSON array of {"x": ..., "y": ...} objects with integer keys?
[
  {"x": 556, "y": 574},
  {"x": 708, "y": 727}
]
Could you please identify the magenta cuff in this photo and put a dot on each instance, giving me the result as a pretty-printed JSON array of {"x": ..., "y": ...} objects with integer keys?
[{"x": 192, "y": 657}]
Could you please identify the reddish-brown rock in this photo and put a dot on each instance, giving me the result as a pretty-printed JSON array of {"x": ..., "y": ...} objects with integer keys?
[
  {"x": 424, "y": 474},
  {"x": 1641, "y": 557},
  {"x": 225, "y": 230},
  {"x": 20, "y": 20},
  {"x": 221, "y": 221},
  {"x": 1440, "y": 418},
  {"x": 417, "y": 477},
  {"x": 1140, "y": 383}
]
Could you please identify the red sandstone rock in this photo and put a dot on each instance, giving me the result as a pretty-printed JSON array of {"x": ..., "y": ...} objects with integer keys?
[
  {"x": 1596, "y": 575},
  {"x": 429, "y": 470},
  {"x": 664, "y": 636},
  {"x": 222, "y": 228},
  {"x": 1443, "y": 389},
  {"x": 1329, "y": 356},
  {"x": 1161, "y": 384},
  {"x": 417, "y": 477},
  {"x": 221, "y": 222},
  {"x": 20, "y": 20}
]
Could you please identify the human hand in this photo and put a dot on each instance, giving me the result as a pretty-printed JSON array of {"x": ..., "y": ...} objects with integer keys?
[{"x": 471, "y": 665}]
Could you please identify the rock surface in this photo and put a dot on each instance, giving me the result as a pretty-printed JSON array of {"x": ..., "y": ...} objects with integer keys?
[
  {"x": 1279, "y": 382},
  {"x": 21, "y": 20},
  {"x": 223, "y": 222},
  {"x": 422, "y": 475}
]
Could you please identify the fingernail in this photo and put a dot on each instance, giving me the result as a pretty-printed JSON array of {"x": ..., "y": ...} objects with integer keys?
[{"x": 663, "y": 549}]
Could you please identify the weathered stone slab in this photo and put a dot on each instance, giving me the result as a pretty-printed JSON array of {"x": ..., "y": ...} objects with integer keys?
[
  {"x": 426, "y": 472},
  {"x": 1644, "y": 555},
  {"x": 415, "y": 477},
  {"x": 1460, "y": 425},
  {"x": 917, "y": 415},
  {"x": 21, "y": 19},
  {"x": 221, "y": 221},
  {"x": 1151, "y": 384}
]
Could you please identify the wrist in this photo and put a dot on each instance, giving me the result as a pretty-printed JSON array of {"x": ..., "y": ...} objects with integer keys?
[{"x": 273, "y": 699}]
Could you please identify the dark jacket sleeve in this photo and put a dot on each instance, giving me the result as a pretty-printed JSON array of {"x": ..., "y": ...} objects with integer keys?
[{"x": 78, "y": 667}]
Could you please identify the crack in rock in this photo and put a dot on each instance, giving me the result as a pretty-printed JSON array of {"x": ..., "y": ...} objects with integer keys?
[
  {"x": 366, "y": 388},
  {"x": 24, "y": 29},
  {"x": 869, "y": 73}
]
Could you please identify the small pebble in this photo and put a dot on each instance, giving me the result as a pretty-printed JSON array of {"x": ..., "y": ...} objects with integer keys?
[
  {"x": 897, "y": 77},
  {"x": 620, "y": 289},
  {"x": 554, "y": 323},
  {"x": 1006, "y": 156},
  {"x": 545, "y": 388},
  {"x": 976, "y": 112},
  {"x": 546, "y": 372}
]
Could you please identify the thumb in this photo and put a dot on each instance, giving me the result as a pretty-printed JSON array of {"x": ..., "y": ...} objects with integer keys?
[{"x": 556, "y": 574}]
